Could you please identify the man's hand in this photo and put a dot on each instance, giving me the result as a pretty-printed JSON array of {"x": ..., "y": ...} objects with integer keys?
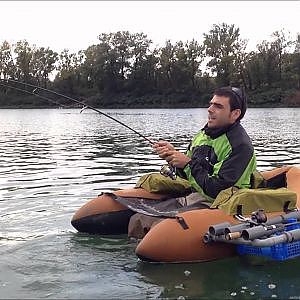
[
  {"x": 177, "y": 159},
  {"x": 162, "y": 148},
  {"x": 166, "y": 151}
]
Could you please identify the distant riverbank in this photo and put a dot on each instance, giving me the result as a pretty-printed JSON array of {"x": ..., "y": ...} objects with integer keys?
[{"x": 262, "y": 98}]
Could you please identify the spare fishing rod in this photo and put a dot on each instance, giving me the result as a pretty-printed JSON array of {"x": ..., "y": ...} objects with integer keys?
[{"x": 85, "y": 106}]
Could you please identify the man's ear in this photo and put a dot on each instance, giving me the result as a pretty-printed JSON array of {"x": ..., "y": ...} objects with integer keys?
[{"x": 235, "y": 114}]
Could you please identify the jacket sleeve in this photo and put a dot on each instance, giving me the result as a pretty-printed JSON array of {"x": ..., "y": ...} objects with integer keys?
[
  {"x": 224, "y": 174},
  {"x": 180, "y": 171}
]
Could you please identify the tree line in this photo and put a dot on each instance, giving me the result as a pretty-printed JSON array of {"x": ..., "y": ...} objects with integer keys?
[{"x": 125, "y": 70}]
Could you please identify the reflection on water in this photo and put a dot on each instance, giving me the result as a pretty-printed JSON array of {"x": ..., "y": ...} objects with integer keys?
[
  {"x": 235, "y": 278},
  {"x": 53, "y": 161}
]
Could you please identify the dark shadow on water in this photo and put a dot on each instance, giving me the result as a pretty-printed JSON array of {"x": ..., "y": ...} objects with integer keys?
[{"x": 235, "y": 278}]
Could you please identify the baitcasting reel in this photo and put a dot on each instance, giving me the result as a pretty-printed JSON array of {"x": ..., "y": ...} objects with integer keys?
[{"x": 168, "y": 171}]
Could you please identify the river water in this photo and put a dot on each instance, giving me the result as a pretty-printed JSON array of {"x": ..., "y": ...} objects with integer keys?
[{"x": 55, "y": 160}]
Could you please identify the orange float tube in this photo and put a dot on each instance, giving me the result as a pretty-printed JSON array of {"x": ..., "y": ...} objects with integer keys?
[
  {"x": 169, "y": 241},
  {"x": 103, "y": 215}
]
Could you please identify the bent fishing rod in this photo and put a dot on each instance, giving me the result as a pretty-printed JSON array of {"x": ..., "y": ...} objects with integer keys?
[
  {"x": 31, "y": 93},
  {"x": 85, "y": 106}
]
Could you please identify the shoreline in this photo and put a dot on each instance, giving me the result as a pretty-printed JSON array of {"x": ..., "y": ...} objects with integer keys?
[{"x": 136, "y": 107}]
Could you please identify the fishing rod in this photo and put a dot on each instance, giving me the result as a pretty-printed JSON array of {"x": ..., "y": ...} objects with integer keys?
[
  {"x": 166, "y": 170},
  {"x": 34, "y": 94},
  {"x": 85, "y": 106}
]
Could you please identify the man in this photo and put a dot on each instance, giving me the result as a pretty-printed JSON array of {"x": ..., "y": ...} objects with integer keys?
[{"x": 221, "y": 155}]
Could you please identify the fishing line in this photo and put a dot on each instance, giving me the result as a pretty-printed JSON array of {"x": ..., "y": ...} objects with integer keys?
[{"x": 85, "y": 106}]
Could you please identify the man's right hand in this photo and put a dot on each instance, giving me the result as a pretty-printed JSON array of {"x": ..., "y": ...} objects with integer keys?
[{"x": 162, "y": 148}]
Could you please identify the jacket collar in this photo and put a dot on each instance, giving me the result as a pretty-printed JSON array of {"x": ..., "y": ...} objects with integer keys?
[{"x": 216, "y": 132}]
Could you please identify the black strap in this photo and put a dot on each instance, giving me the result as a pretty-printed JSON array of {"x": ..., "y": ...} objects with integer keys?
[
  {"x": 239, "y": 210},
  {"x": 182, "y": 222},
  {"x": 286, "y": 206}
]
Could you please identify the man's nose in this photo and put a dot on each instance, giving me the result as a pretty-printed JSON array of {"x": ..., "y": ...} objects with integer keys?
[{"x": 210, "y": 108}]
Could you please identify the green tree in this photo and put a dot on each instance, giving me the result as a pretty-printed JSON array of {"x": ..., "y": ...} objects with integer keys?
[
  {"x": 142, "y": 64},
  {"x": 281, "y": 44},
  {"x": 69, "y": 65},
  {"x": 119, "y": 48},
  {"x": 222, "y": 44},
  {"x": 254, "y": 69},
  {"x": 270, "y": 64},
  {"x": 189, "y": 56},
  {"x": 117, "y": 60},
  {"x": 295, "y": 64},
  {"x": 101, "y": 68},
  {"x": 291, "y": 70},
  {"x": 92, "y": 68},
  {"x": 167, "y": 58},
  {"x": 24, "y": 53},
  {"x": 7, "y": 66},
  {"x": 267, "y": 64},
  {"x": 143, "y": 77},
  {"x": 42, "y": 64}
]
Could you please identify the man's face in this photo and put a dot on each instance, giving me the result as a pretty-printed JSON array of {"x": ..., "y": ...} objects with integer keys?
[{"x": 219, "y": 114}]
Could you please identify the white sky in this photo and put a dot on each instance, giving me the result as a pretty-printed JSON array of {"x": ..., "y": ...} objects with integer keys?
[{"x": 75, "y": 25}]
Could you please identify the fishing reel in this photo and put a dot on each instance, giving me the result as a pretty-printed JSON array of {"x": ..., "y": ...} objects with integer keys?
[
  {"x": 168, "y": 171},
  {"x": 259, "y": 216}
]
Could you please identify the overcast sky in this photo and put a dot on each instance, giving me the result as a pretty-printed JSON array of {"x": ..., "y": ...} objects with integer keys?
[{"x": 75, "y": 25}]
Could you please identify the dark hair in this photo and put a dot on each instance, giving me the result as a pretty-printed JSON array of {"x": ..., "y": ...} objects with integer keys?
[{"x": 237, "y": 98}]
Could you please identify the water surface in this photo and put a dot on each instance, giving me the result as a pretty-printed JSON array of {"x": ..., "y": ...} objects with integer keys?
[{"x": 55, "y": 160}]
